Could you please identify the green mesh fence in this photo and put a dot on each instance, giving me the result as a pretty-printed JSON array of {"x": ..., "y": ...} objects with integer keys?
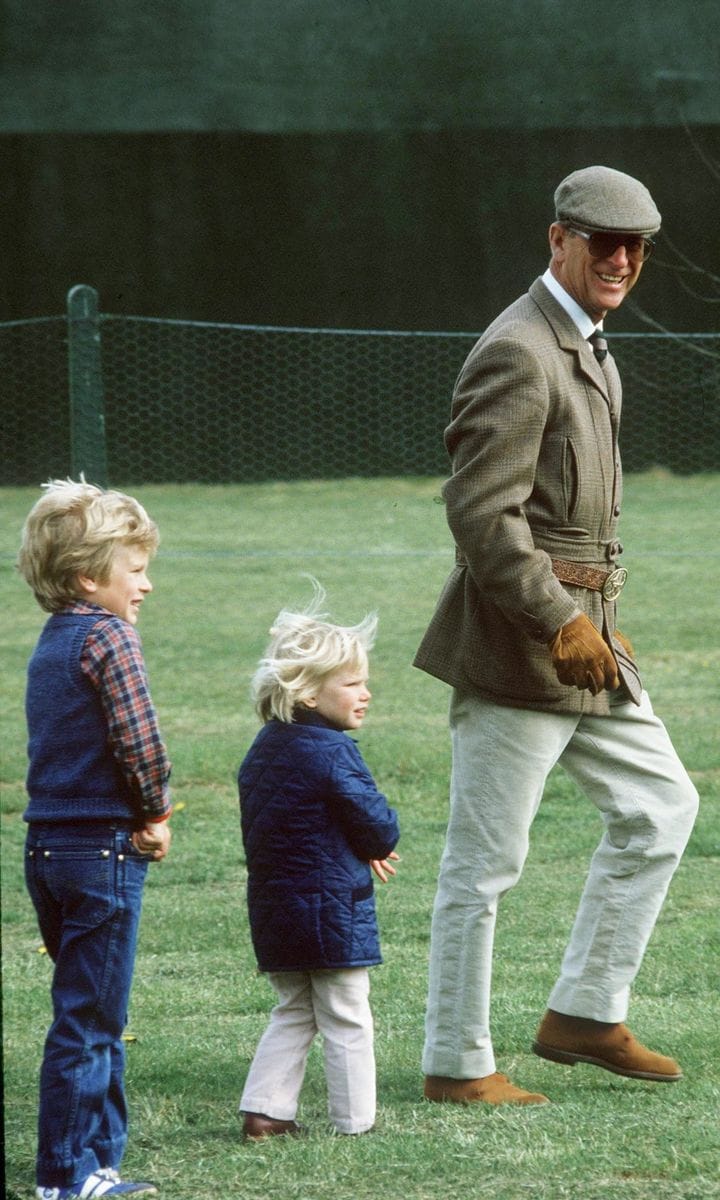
[
  {"x": 35, "y": 408},
  {"x": 134, "y": 400}
]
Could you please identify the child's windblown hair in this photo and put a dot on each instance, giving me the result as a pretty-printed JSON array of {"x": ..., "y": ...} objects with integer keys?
[
  {"x": 304, "y": 648},
  {"x": 74, "y": 529}
]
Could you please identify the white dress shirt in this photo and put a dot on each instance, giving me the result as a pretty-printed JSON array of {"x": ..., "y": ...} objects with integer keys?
[{"x": 572, "y": 308}]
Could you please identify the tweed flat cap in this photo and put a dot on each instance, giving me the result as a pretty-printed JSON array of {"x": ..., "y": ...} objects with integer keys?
[{"x": 602, "y": 198}]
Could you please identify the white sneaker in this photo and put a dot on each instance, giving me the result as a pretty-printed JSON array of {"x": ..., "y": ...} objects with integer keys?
[{"x": 105, "y": 1182}]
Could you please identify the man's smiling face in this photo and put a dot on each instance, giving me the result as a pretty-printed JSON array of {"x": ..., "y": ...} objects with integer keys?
[{"x": 597, "y": 284}]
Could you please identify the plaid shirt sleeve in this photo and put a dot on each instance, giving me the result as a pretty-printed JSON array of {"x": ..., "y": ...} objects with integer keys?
[{"x": 112, "y": 659}]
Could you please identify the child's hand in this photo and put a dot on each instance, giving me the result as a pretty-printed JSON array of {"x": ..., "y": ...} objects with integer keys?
[
  {"x": 382, "y": 868},
  {"x": 153, "y": 839}
]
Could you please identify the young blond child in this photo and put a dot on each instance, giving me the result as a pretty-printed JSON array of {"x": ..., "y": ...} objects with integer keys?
[
  {"x": 97, "y": 814},
  {"x": 313, "y": 826}
]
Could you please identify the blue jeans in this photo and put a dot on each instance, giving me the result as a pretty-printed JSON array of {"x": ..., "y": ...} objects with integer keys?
[{"x": 86, "y": 884}]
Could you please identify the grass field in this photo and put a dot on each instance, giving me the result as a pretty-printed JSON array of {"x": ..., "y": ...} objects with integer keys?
[{"x": 230, "y": 557}]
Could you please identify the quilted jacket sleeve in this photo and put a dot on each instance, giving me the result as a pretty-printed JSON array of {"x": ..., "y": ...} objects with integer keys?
[{"x": 369, "y": 824}]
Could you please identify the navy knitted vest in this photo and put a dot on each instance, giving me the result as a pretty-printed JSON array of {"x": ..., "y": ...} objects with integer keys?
[{"x": 73, "y": 775}]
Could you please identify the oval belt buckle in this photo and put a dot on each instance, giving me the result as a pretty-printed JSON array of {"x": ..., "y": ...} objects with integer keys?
[{"x": 614, "y": 583}]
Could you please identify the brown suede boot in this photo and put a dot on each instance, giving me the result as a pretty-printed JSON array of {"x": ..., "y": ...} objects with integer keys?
[
  {"x": 570, "y": 1040},
  {"x": 490, "y": 1089}
]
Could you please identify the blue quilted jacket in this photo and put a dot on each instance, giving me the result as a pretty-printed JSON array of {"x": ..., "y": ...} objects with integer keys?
[{"x": 311, "y": 818}]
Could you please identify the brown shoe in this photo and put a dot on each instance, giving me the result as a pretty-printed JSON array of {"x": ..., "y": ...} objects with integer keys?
[
  {"x": 258, "y": 1125},
  {"x": 571, "y": 1040},
  {"x": 490, "y": 1089}
]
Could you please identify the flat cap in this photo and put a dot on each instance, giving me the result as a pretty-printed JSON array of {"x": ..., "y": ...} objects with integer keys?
[{"x": 602, "y": 198}]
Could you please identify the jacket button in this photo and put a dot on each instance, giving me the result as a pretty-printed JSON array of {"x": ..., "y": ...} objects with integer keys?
[
  {"x": 46, "y": 853},
  {"x": 616, "y": 510},
  {"x": 106, "y": 853}
]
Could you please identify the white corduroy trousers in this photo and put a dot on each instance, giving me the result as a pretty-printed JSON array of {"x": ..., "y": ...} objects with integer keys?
[
  {"x": 335, "y": 1004},
  {"x": 626, "y": 765}
]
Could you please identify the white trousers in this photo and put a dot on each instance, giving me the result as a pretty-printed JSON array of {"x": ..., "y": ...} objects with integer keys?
[
  {"x": 626, "y": 765},
  {"x": 335, "y": 1004}
]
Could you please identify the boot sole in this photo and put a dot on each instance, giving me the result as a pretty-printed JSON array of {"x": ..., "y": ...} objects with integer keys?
[
  {"x": 568, "y": 1059},
  {"x": 449, "y": 1098}
]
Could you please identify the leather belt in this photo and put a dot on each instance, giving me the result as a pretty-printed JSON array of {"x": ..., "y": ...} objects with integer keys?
[{"x": 609, "y": 583}]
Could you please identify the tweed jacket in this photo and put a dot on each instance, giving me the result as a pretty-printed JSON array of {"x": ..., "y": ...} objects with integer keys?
[{"x": 536, "y": 475}]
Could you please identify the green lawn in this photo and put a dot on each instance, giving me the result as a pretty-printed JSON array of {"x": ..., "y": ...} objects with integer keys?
[{"x": 230, "y": 557}]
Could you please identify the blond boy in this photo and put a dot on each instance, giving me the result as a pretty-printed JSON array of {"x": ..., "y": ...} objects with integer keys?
[{"x": 97, "y": 815}]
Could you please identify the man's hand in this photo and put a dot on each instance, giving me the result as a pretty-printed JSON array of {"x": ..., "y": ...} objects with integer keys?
[
  {"x": 382, "y": 868},
  {"x": 153, "y": 838},
  {"x": 582, "y": 658}
]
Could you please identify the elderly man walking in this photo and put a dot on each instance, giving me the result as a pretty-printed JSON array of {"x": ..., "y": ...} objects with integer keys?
[{"x": 525, "y": 634}]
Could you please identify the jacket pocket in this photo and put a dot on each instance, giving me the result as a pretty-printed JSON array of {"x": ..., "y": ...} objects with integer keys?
[
  {"x": 349, "y": 926},
  {"x": 571, "y": 478},
  {"x": 557, "y": 479},
  {"x": 362, "y": 893},
  {"x": 286, "y": 927},
  {"x": 365, "y": 940}
]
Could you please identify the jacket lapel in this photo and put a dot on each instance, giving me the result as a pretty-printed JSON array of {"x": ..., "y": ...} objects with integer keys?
[{"x": 606, "y": 379}]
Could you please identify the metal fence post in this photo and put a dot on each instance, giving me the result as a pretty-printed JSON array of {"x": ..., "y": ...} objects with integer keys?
[{"x": 88, "y": 452}]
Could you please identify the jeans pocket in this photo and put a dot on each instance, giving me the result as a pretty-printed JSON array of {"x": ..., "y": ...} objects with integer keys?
[{"x": 80, "y": 878}]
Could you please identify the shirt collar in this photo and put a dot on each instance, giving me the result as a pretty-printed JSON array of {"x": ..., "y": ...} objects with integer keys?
[
  {"x": 83, "y": 608},
  {"x": 577, "y": 314}
]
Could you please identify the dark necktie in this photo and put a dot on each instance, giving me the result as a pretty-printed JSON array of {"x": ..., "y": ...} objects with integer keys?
[{"x": 599, "y": 345}]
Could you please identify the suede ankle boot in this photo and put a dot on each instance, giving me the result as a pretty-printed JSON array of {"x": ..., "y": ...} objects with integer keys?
[
  {"x": 490, "y": 1089},
  {"x": 570, "y": 1040}
]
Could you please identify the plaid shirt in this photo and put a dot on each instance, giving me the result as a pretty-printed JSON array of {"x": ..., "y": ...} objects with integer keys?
[{"x": 113, "y": 662}]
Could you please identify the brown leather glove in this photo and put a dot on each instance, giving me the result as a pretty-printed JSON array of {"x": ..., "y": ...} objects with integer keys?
[
  {"x": 581, "y": 657},
  {"x": 625, "y": 643}
]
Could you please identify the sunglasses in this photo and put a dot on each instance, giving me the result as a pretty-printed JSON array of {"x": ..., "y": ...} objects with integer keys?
[{"x": 604, "y": 245}]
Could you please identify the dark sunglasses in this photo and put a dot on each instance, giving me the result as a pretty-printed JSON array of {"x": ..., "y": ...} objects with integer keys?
[{"x": 604, "y": 245}]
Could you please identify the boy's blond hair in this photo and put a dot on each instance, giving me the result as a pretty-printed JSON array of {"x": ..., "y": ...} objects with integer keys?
[
  {"x": 74, "y": 529},
  {"x": 304, "y": 649}
]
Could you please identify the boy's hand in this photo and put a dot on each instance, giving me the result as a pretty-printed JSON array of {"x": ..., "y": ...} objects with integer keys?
[
  {"x": 382, "y": 868},
  {"x": 153, "y": 839}
]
